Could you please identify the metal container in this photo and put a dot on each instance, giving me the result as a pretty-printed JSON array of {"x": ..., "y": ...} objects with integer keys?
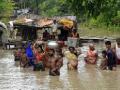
[{"x": 52, "y": 44}]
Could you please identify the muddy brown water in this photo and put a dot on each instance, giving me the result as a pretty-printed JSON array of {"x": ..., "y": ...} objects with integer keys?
[{"x": 88, "y": 77}]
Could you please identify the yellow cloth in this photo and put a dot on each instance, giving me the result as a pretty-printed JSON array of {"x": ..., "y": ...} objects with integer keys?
[
  {"x": 70, "y": 56},
  {"x": 66, "y": 22}
]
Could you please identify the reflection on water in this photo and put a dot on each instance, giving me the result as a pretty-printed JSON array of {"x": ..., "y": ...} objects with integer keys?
[{"x": 88, "y": 77}]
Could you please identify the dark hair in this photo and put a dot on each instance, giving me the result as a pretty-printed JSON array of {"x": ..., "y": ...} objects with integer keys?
[
  {"x": 40, "y": 46},
  {"x": 52, "y": 50},
  {"x": 104, "y": 52},
  {"x": 54, "y": 21},
  {"x": 71, "y": 48},
  {"x": 108, "y": 43}
]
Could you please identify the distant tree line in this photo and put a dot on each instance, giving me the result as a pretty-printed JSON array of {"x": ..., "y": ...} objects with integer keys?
[{"x": 94, "y": 11}]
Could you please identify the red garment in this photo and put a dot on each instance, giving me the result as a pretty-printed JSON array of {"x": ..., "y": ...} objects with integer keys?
[
  {"x": 39, "y": 56},
  {"x": 91, "y": 53},
  {"x": 46, "y": 49}
]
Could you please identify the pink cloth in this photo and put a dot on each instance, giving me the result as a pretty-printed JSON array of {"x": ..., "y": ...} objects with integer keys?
[{"x": 91, "y": 57}]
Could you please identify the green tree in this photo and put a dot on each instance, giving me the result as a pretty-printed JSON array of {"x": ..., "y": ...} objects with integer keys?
[
  {"x": 45, "y": 7},
  {"x": 6, "y": 9},
  {"x": 103, "y": 10},
  {"x": 53, "y": 7}
]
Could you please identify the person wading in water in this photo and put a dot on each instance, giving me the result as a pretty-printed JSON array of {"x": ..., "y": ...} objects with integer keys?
[{"x": 55, "y": 61}]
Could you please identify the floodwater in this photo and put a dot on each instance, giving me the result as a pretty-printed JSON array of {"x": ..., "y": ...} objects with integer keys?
[{"x": 88, "y": 77}]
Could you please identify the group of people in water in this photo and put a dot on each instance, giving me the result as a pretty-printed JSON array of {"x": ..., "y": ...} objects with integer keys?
[
  {"x": 40, "y": 56},
  {"x": 109, "y": 59}
]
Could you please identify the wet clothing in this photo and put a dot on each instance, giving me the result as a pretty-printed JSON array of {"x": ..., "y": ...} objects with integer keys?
[
  {"x": 70, "y": 56},
  {"x": 72, "y": 60},
  {"x": 39, "y": 66},
  {"x": 111, "y": 59},
  {"x": 39, "y": 56},
  {"x": 39, "y": 62},
  {"x": 91, "y": 57}
]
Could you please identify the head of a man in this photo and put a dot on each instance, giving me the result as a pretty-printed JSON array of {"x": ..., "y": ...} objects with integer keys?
[
  {"x": 108, "y": 44},
  {"x": 91, "y": 47},
  {"x": 71, "y": 49},
  {"x": 51, "y": 52}
]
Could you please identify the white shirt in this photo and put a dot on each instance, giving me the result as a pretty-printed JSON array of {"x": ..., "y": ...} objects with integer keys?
[
  {"x": 117, "y": 51},
  {"x": 54, "y": 27}
]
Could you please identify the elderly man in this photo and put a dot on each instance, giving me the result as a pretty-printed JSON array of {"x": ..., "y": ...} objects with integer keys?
[{"x": 92, "y": 55}]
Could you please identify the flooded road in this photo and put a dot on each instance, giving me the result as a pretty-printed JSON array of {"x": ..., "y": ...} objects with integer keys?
[{"x": 88, "y": 77}]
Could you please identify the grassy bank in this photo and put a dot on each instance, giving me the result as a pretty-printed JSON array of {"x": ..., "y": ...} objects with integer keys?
[{"x": 93, "y": 31}]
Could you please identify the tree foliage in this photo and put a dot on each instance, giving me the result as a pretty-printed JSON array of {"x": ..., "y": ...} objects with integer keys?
[
  {"x": 45, "y": 7},
  {"x": 52, "y": 7},
  {"x": 103, "y": 10},
  {"x": 6, "y": 9}
]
